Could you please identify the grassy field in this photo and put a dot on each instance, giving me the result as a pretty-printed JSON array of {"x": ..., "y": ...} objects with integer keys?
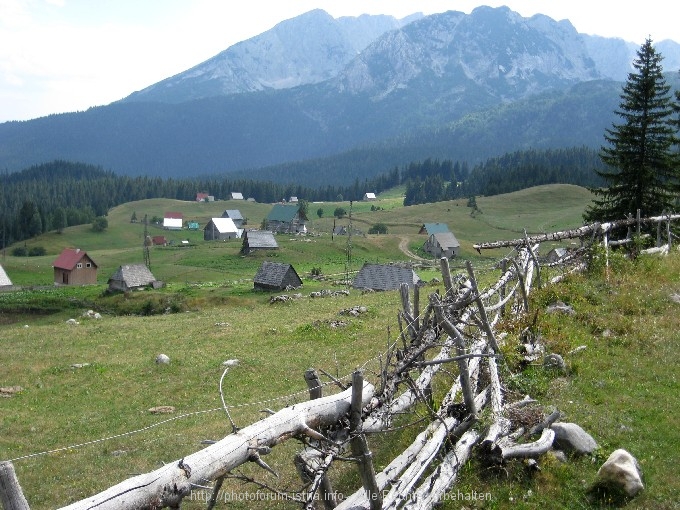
[
  {"x": 621, "y": 388},
  {"x": 544, "y": 208}
]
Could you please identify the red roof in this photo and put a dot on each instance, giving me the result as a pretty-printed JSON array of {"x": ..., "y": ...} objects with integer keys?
[
  {"x": 174, "y": 215},
  {"x": 69, "y": 258},
  {"x": 201, "y": 196}
]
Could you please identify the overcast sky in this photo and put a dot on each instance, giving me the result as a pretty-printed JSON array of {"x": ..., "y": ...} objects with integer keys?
[{"x": 68, "y": 55}]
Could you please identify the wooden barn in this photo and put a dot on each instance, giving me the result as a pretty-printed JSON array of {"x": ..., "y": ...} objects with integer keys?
[
  {"x": 74, "y": 267},
  {"x": 276, "y": 276},
  {"x": 433, "y": 228},
  {"x": 285, "y": 218},
  {"x": 132, "y": 277},
  {"x": 159, "y": 241},
  {"x": 384, "y": 277},
  {"x": 254, "y": 240},
  {"x": 220, "y": 229},
  {"x": 442, "y": 244}
]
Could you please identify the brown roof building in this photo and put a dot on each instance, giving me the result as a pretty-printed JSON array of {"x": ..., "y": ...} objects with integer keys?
[{"x": 74, "y": 267}]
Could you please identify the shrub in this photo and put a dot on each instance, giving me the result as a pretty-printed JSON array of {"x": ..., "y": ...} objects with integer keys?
[
  {"x": 378, "y": 228},
  {"x": 37, "y": 251},
  {"x": 20, "y": 251}
]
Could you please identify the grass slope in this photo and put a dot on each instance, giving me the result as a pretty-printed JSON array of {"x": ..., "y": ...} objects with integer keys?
[{"x": 621, "y": 389}]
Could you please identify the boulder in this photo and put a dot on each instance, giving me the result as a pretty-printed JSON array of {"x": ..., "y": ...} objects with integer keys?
[
  {"x": 621, "y": 471},
  {"x": 572, "y": 438},
  {"x": 162, "y": 359}
]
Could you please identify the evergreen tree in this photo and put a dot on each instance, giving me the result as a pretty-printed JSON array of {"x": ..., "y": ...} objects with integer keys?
[
  {"x": 642, "y": 169},
  {"x": 59, "y": 220}
]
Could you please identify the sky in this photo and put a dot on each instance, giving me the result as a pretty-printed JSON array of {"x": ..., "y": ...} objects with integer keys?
[{"x": 68, "y": 55}]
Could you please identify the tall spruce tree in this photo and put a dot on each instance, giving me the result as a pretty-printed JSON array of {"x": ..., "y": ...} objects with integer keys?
[{"x": 642, "y": 168}]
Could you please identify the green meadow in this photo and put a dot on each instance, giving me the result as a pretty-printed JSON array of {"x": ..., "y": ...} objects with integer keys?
[{"x": 92, "y": 383}]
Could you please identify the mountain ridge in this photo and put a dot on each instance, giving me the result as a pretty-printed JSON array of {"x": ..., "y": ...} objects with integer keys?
[{"x": 435, "y": 79}]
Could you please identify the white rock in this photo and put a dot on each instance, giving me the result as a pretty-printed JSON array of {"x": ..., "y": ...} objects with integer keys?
[
  {"x": 230, "y": 363},
  {"x": 162, "y": 359},
  {"x": 571, "y": 437},
  {"x": 621, "y": 470}
]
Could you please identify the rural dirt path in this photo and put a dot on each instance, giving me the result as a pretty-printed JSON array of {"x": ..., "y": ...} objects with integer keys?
[{"x": 403, "y": 246}]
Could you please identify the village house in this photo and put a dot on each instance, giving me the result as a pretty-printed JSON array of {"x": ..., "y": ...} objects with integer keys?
[
  {"x": 276, "y": 276},
  {"x": 5, "y": 282},
  {"x": 381, "y": 277},
  {"x": 132, "y": 277},
  {"x": 74, "y": 267},
  {"x": 369, "y": 197},
  {"x": 201, "y": 197},
  {"x": 285, "y": 219},
  {"x": 220, "y": 229},
  {"x": 159, "y": 241},
  {"x": 442, "y": 244},
  {"x": 433, "y": 228},
  {"x": 235, "y": 195},
  {"x": 172, "y": 221},
  {"x": 235, "y": 216},
  {"x": 254, "y": 240}
]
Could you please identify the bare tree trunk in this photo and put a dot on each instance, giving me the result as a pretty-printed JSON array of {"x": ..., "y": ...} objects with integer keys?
[{"x": 168, "y": 485}]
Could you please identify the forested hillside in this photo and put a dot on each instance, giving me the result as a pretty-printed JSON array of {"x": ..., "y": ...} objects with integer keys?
[{"x": 59, "y": 194}]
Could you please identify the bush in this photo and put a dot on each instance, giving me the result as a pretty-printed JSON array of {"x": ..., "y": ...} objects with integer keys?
[
  {"x": 378, "y": 228},
  {"x": 20, "y": 251},
  {"x": 100, "y": 224},
  {"x": 37, "y": 251}
]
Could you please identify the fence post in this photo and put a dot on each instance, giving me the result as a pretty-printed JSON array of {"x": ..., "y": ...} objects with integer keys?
[
  {"x": 359, "y": 445},
  {"x": 11, "y": 495},
  {"x": 313, "y": 383},
  {"x": 316, "y": 391},
  {"x": 446, "y": 275},
  {"x": 482, "y": 311},
  {"x": 504, "y": 268}
]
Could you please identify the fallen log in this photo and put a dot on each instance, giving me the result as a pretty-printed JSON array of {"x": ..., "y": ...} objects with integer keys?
[{"x": 170, "y": 484}]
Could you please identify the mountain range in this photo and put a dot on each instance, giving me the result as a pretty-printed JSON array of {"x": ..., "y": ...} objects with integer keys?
[{"x": 354, "y": 96}]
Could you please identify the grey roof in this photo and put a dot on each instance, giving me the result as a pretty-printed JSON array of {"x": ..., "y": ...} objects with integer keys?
[
  {"x": 234, "y": 214},
  {"x": 446, "y": 240},
  {"x": 384, "y": 277},
  {"x": 433, "y": 228},
  {"x": 133, "y": 275},
  {"x": 276, "y": 275},
  {"x": 260, "y": 239},
  {"x": 4, "y": 279}
]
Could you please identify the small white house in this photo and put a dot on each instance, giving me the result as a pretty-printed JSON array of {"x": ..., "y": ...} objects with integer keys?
[
  {"x": 368, "y": 197},
  {"x": 235, "y": 195},
  {"x": 221, "y": 229}
]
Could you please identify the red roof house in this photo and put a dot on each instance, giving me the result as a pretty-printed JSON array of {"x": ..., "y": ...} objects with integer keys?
[{"x": 74, "y": 267}]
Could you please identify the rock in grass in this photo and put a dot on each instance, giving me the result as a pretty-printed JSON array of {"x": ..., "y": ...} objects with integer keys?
[
  {"x": 621, "y": 471},
  {"x": 162, "y": 410},
  {"x": 162, "y": 359},
  {"x": 571, "y": 437}
]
